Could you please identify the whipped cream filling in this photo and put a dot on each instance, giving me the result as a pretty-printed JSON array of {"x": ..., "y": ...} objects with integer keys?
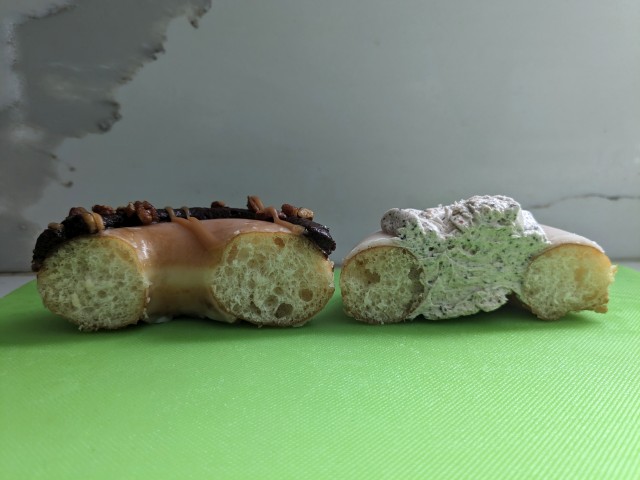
[{"x": 474, "y": 252}]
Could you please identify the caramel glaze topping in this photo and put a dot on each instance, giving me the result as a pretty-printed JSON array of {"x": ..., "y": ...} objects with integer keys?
[
  {"x": 206, "y": 238},
  {"x": 82, "y": 222}
]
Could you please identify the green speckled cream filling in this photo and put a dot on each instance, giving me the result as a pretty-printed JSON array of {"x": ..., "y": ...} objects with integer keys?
[{"x": 474, "y": 252}]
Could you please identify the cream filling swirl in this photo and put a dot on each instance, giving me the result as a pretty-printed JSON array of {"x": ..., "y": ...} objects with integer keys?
[{"x": 474, "y": 252}]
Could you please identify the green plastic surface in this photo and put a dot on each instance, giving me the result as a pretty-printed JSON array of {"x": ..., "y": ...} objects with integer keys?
[{"x": 499, "y": 395}]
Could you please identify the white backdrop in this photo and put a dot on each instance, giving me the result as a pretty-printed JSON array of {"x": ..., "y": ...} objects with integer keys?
[{"x": 348, "y": 108}]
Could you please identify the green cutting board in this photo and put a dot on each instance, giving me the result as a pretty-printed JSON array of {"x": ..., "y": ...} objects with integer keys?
[{"x": 499, "y": 395}]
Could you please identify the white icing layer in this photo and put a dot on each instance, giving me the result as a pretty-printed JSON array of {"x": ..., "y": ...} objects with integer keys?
[
  {"x": 561, "y": 237},
  {"x": 377, "y": 239},
  {"x": 474, "y": 252}
]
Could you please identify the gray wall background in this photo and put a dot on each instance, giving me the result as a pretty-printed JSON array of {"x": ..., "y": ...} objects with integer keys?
[{"x": 346, "y": 107}]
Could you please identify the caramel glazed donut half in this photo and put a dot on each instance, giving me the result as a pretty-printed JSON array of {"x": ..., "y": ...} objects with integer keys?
[
  {"x": 108, "y": 268},
  {"x": 474, "y": 255}
]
